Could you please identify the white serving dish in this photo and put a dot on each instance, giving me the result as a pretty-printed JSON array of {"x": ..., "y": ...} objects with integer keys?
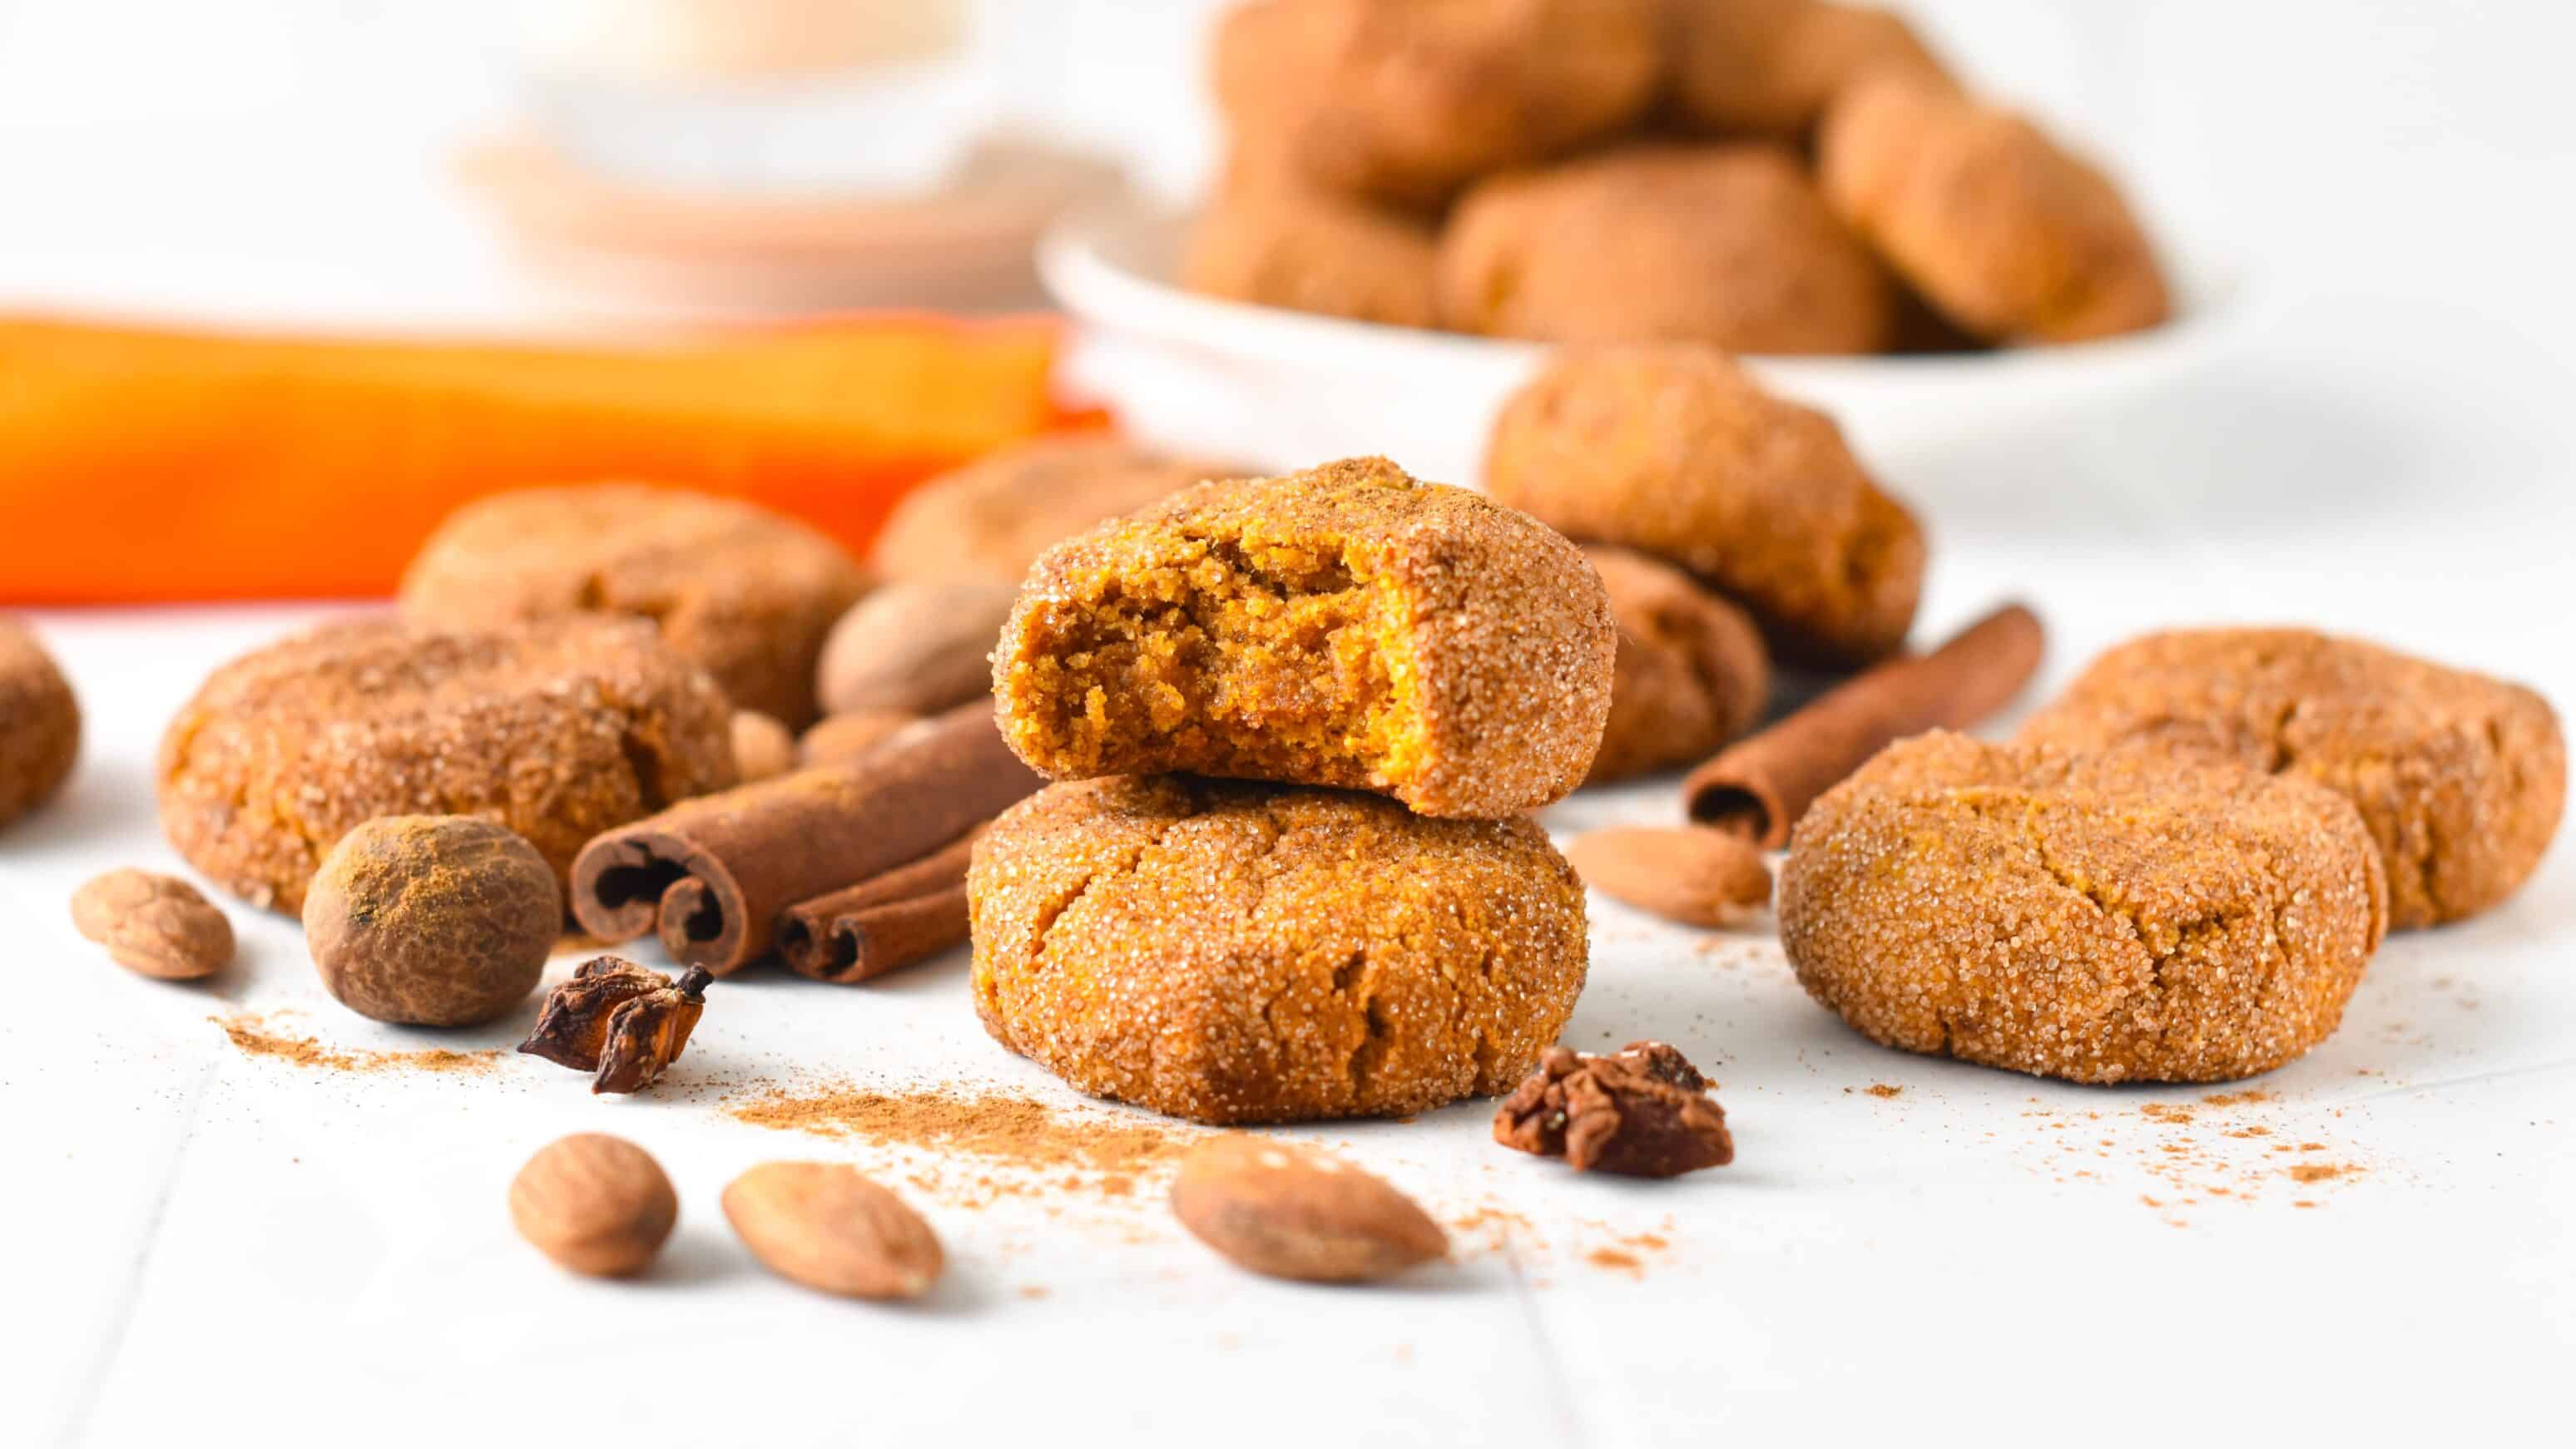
[{"x": 1280, "y": 389}]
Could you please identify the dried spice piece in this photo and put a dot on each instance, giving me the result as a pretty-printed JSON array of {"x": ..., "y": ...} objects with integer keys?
[
  {"x": 1643, "y": 1112},
  {"x": 620, "y": 1020}
]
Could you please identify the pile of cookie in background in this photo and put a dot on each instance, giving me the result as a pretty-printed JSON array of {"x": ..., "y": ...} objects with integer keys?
[{"x": 1769, "y": 176}]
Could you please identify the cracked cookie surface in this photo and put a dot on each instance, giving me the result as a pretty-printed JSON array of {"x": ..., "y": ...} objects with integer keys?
[
  {"x": 2109, "y": 918},
  {"x": 1229, "y": 952},
  {"x": 1346, "y": 626},
  {"x": 2461, "y": 778},
  {"x": 558, "y": 729}
]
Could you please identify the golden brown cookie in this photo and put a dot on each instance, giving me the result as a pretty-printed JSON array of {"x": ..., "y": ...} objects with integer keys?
[
  {"x": 557, "y": 729},
  {"x": 1768, "y": 67},
  {"x": 2460, "y": 777},
  {"x": 2108, "y": 918},
  {"x": 1728, "y": 245},
  {"x": 1673, "y": 450},
  {"x": 1691, "y": 672},
  {"x": 1253, "y": 953},
  {"x": 2014, "y": 238},
  {"x": 40, "y": 723},
  {"x": 746, "y": 593},
  {"x": 1408, "y": 101},
  {"x": 1310, "y": 251},
  {"x": 988, "y": 521},
  {"x": 1344, "y": 626}
]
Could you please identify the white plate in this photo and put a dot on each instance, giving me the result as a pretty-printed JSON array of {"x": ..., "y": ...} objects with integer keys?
[{"x": 1280, "y": 389}]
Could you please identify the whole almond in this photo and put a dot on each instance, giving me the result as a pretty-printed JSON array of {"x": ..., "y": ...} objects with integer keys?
[
  {"x": 847, "y": 736},
  {"x": 916, "y": 647},
  {"x": 155, "y": 924},
  {"x": 762, "y": 747},
  {"x": 595, "y": 1204},
  {"x": 1695, "y": 876},
  {"x": 823, "y": 1225},
  {"x": 1292, "y": 1212}
]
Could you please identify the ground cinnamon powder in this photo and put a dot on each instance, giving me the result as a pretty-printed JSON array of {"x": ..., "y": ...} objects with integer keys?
[
  {"x": 253, "y": 1036},
  {"x": 1036, "y": 1145}
]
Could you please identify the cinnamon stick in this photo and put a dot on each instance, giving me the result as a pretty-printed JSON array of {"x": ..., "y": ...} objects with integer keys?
[
  {"x": 1759, "y": 786},
  {"x": 907, "y": 914},
  {"x": 712, "y": 874}
]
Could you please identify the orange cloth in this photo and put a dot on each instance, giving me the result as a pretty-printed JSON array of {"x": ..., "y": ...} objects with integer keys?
[{"x": 140, "y": 464}]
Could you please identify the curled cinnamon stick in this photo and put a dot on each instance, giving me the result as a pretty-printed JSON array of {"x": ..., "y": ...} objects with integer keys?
[
  {"x": 713, "y": 873},
  {"x": 876, "y": 926},
  {"x": 1759, "y": 786}
]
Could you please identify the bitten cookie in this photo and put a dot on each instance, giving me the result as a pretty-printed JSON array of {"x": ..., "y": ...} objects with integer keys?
[
  {"x": 1727, "y": 245},
  {"x": 40, "y": 723},
  {"x": 988, "y": 521},
  {"x": 1406, "y": 102},
  {"x": 2012, "y": 237},
  {"x": 557, "y": 729},
  {"x": 2461, "y": 778},
  {"x": 1310, "y": 251},
  {"x": 1674, "y": 451},
  {"x": 1344, "y": 626},
  {"x": 744, "y": 592},
  {"x": 1768, "y": 67},
  {"x": 1252, "y": 953},
  {"x": 2101, "y": 918},
  {"x": 1690, "y": 674}
]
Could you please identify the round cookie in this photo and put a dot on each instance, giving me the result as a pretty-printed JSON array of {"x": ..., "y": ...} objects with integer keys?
[
  {"x": 1690, "y": 674},
  {"x": 1768, "y": 67},
  {"x": 988, "y": 521},
  {"x": 744, "y": 592},
  {"x": 2460, "y": 777},
  {"x": 2010, "y": 236},
  {"x": 1406, "y": 102},
  {"x": 1345, "y": 626},
  {"x": 1311, "y": 252},
  {"x": 40, "y": 723},
  {"x": 1728, "y": 245},
  {"x": 2105, "y": 918},
  {"x": 557, "y": 729},
  {"x": 1674, "y": 451},
  {"x": 1232, "y": 952}
]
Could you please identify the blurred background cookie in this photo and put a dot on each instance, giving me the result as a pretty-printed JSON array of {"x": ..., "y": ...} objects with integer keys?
[
  {"x": 2460, "y": 777},
  {"x": 2010, "y": 235},
  {"x": 1232, "y": 952},
  {"x": 1690, "y": 673},
  {"x": 556, "y": 728},
  {"x": 746, "y": 593},
  {"x": 2108, "y": 918},
  {"x": 1311, "y": 251},
  {"x": 1729, "y": 245},
  {"x": 1408, "y": 101},
  {"x": 1768, "y": 67},
  {"x": 40, "y": 722},
  {"x": 988, "y": 521},
  {"x": 1674, "y": 451}
]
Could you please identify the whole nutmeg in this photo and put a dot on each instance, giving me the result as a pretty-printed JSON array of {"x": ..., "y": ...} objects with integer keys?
[
  {"x": 823, "y": 1225},
  {"x": 1287, "y": 1211},
  {"x": 158, "y": 925},
  {"x": 762, "y": 747},
  {"x": 595, "y": 1204},
  {"x": 919, "y": 648},
  {"x": 432, "y": 920}
]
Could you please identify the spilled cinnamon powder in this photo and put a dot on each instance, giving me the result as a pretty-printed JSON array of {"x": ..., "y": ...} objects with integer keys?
[
  {"x": 252, "y": 1035},
  {"x": 1035, "y": 1147}
]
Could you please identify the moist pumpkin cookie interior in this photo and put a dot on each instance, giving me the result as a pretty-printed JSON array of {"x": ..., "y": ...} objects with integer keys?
[{"x": 1250, "y": 657}]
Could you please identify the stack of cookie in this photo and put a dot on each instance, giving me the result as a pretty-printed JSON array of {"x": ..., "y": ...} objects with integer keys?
[{"x": 1291, "y": 876}]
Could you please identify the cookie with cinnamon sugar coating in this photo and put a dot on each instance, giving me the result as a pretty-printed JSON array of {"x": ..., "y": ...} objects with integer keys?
[
  {"x": 1690, "y": 675},
  {"x": 988, "y": 521},
  {"x": 1346, "y": 626},
  {"x": 2117, "y": 917},
  {"x": 1231, "y": 953}
]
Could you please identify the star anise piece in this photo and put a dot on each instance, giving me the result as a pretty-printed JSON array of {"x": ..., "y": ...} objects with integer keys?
[
  {"x": 621, "y": 1021},
  {"x": 1642, "y": 1112}
]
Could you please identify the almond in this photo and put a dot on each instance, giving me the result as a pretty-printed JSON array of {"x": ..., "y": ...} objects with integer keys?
[
  {"x": 595, "y": 1204},
  {"x": 158, "y": 925},
  {"x": 762, "y": 747},
  {"x": 1694, "y": 876},
  {"x": 847, "y": 736},
  {"x": 1293, "y": 1212},
  {"x": 914, "y": 647},
  {"x": 823, "y": 1225}
]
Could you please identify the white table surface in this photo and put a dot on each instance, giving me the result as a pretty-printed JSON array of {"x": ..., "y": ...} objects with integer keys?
[{"x": 212, "y": 1247}]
